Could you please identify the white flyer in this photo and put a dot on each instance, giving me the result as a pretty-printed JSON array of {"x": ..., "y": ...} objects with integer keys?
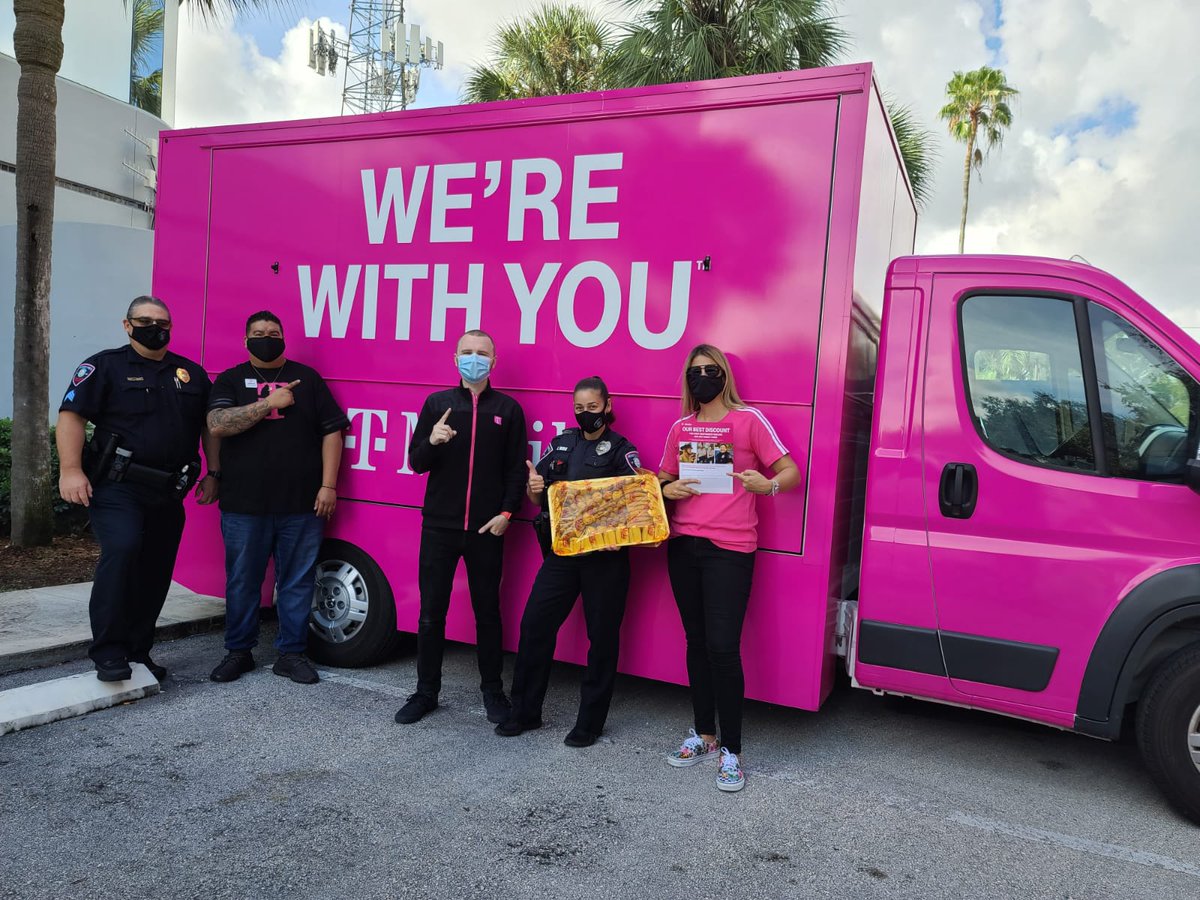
[{"x": 706, "y": 454}]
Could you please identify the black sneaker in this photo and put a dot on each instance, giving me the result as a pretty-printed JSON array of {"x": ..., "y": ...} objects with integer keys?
[
  {"x": 513, "y": 727},
  {"x": 116, "y": 669},
  {"x": 497, "y": 705},
  {"x": 577, "y": 737},
  {"x": 235, "y": 664},
  {"x": 296, "y": 667},
  {"x": 159, "y": 672},
  {"x": 417, "y": 708}
]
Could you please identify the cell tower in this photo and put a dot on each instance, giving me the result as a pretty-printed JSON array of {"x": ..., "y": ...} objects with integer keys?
[{"x": 381, "y": 61}]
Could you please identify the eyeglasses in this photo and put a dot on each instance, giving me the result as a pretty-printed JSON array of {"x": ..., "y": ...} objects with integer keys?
[
  {"x": 712, "y": 371},
  {"x": 144, "y": 321}
]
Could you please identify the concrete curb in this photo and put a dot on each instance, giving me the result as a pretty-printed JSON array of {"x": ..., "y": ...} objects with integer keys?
[
  {"x": 64, "y": 698},
  {"x": 74, "y": 650}
]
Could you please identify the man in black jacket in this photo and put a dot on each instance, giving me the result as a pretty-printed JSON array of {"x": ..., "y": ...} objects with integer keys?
[{"x": 471, "y": 440}]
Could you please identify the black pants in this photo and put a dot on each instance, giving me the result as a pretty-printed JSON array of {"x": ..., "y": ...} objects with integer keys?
[
  {"x": 603, "y": 580},
  {"x": 441, "y": 549},
  {"x": 712, "y": 587},
  {"x": 138, "y": 529}
]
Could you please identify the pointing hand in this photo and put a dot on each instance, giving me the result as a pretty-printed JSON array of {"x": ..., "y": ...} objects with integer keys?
[
  {"x": 441, "y": 431},
  {"x": 282, "y": 398}
]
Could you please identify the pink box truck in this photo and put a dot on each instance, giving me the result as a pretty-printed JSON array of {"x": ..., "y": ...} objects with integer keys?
[{"x": 996, "y": 509}]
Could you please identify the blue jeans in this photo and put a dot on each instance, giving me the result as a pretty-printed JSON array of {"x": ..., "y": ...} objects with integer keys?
[{"x": 293, "y": 541}]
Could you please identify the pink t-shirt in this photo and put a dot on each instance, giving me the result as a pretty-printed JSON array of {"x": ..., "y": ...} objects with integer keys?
[{"x": 742, "y": 440}]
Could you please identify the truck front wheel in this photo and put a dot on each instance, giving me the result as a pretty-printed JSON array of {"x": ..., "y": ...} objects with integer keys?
[
  {"x": 1168, "y": 730},
  {"x": 353, "y": 618}
]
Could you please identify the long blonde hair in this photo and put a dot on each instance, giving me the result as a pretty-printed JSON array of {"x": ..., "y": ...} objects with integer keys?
[{"x": 729, "y": 395}]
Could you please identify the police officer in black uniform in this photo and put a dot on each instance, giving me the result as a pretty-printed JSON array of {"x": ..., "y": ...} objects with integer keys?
[
  {"x": 148, "y": 407},
  {"x": 593, "y": 450}
]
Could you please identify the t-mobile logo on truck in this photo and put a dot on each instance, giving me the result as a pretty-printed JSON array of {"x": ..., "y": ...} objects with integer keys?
[
  {"x": 400, "y": 211},
  {"x": 369, "y": 436}
]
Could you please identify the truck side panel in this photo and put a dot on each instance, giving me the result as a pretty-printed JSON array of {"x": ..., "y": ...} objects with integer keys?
[{"x": 579, "y": 232}]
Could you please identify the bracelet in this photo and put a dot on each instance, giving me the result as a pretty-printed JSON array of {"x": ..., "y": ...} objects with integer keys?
[
  {"x": 507, "y": 515},
  {"x": 330, "y": 486},
  {"x": 774, "y": 486}
]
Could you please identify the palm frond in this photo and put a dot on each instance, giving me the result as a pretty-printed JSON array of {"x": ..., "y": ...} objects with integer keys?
[{"x": 917, "y": 148}]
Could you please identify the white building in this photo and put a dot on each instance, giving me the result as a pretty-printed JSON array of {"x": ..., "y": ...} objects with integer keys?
[{"x": 104, "y": 202}]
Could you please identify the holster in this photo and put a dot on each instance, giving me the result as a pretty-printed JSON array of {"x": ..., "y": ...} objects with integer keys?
[{"x": 541, "y": 526}]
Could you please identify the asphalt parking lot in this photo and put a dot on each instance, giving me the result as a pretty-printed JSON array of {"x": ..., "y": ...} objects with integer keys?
[{"x": 266, "y": 789}]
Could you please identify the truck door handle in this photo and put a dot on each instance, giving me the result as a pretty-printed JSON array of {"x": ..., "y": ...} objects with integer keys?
[{"x": 959, "y": 490}]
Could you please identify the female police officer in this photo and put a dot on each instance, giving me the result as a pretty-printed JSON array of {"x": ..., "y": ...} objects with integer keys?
[{"x": 593, "y": 450}]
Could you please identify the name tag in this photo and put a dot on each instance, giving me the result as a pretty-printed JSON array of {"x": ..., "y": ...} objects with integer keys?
[{"x": 252, "y": 384}]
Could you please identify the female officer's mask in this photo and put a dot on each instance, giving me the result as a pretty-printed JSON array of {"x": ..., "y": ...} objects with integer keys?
[
  {"x": 473, "y": 368},
  {"x": 268, "y": 349},
  {"x": 590, "y": 422},
  {"x": 152, "y": 337}
]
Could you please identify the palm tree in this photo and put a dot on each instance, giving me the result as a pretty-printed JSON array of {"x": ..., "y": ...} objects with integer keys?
[
  {"x": 977, "y": 114},
  {"x": 691, "y": 40},
  {"x": 916, "y": 148},
  {"x": 145, "y": 79},
  {"x": 38, "y": 46},
  {"x": 554, "y": 50}
]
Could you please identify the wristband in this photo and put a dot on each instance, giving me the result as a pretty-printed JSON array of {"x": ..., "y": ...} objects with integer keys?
[
  {"x": 507, "y": 515},
  {"x": 330, "y": 486}
]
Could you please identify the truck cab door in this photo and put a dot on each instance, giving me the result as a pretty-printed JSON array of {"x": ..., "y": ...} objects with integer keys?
[{"x": 1056, "y": 434}]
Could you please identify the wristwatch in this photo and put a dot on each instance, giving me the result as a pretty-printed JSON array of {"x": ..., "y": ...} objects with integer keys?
[{"x": 212, "y": 473}]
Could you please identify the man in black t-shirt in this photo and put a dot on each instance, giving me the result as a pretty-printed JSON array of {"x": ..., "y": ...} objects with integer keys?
[{"x": 281, "y": 443}]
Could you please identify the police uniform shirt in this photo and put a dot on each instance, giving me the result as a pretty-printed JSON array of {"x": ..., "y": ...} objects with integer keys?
[
  {"x": 155, "y": 407},
  {"x": 572, "y": 457},
  {"x": 275, "y": 466}
]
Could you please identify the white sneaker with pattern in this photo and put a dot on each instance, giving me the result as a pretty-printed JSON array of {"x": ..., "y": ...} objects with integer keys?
[
  {"x": 730, "y": 776},
  {"x": 694, "y": 749}
]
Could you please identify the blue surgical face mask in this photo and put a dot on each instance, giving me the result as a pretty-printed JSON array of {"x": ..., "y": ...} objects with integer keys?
[{"x": 474, "y": 368}]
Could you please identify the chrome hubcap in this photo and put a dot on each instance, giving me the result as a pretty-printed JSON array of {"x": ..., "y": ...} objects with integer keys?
[
  {"x": 340, "y": 601},
  {"x": 1193, "y": 738}
]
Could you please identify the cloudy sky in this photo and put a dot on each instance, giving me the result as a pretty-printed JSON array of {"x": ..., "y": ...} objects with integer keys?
[{"x": 1100, "y": 163}]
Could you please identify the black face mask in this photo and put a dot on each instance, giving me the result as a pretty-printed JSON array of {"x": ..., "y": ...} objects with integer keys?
[
  {"x": 268, "y": 349},
  {"x": 152, "y": 337},
  {"x": 590, "y": 422},
  {"x": 705, "y": 387}
]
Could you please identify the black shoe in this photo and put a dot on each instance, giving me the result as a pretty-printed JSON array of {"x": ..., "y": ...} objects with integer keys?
[
  {"x": 417, "y": 708},
  {"x": 577, "y": 737},
  {"x": 116, "y": 669},
  {"x": 497, "y": 705},
  {"x": 296, "y": 667},
  {"x": 159, "y": 672},
  {"x": 513, "y": 727},
  {"x": 235, "y": 664}
]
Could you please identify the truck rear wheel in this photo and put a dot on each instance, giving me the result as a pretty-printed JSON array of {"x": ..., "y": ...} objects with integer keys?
[
  {"x": 353, "y": 618},
  {"x": 1168, "y": 730}
]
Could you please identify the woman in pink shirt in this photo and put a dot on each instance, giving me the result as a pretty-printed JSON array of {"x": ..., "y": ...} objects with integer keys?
[{"x": 710, "y": 556}]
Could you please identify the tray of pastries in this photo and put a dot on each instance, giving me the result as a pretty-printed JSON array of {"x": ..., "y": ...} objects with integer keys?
[{"x": 604, "y": 513}]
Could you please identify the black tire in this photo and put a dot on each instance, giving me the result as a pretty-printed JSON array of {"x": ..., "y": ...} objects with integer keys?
[
  {"x": 1168, "y": 729},
  {"x": 338, "y": 635}
]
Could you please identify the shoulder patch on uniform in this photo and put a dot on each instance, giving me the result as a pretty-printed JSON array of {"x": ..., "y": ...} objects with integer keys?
[
  {"x": 82, "y": 373},
  {"x": 633, "y": 460}
]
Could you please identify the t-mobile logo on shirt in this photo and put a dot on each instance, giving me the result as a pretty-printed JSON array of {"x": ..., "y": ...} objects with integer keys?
[{"x": 266, "y": 388}]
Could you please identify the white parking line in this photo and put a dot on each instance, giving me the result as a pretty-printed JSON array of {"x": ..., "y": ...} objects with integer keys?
[{"x": 1083, "y": 845}]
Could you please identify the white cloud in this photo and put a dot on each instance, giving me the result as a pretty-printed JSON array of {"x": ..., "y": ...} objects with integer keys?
[
  {"x": 1123, "y": 200},
  {"x": 223, "y": 78}
]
